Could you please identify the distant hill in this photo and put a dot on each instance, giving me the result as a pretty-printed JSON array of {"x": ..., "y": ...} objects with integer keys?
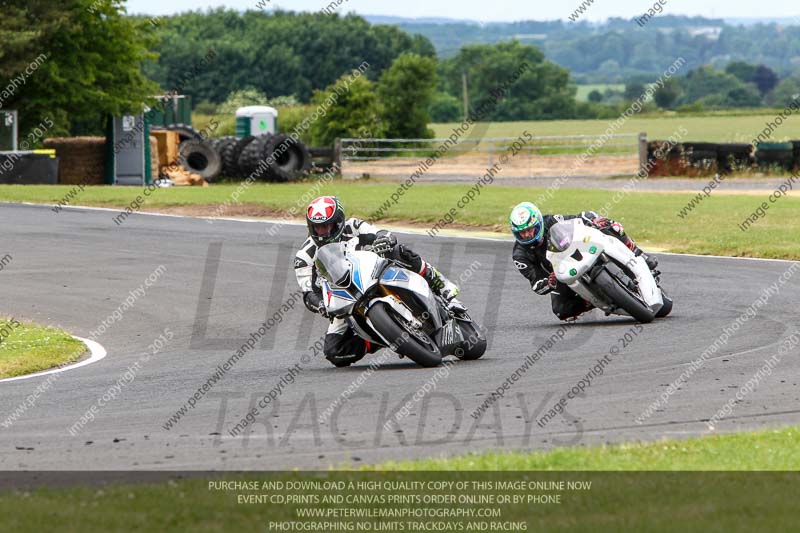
[
  {"x": 733, "y": 21},
  {"x": 387, "y": 19},
  {"x": 750, "y": 21},
  {"x": 618, "y": 49}
]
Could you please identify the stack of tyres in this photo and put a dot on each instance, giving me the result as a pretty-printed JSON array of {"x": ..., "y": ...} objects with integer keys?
[
  {"x": 251, "y": 160},
  {"x": 288, "y": 158},
  {"x": 733, "y": 157},
  {"x": 196, "y": 154},
  {"x": 701, "y": 158},
  {"x": 235, "y": 154},
  {"x": 666, "y": 159},
  {"x": 200, "y": 157},
  {"x": 701, "y": 155},
  {"x": 796, "y": 153},
  {"x": 276, "y": 157},
  {"x": 225, "y": 147},
  {"x": 774, "y": 156}
]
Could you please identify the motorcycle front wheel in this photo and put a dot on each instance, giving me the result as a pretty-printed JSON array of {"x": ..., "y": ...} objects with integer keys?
[
  {"x": 407, "y": 341},
  {"x": 624, "y": 297},
  {"x": 667, "y": 307}
]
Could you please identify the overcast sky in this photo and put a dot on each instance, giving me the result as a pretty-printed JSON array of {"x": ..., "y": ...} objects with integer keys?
[{"x": 495, "y": 10}]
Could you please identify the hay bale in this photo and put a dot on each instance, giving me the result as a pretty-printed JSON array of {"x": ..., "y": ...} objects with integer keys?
[
  {"x": 81, "y": 159},
  {"x": 182, "y": 177},
  {"x": 168, "y": 142},
  {"x": 154, "y": 158}
]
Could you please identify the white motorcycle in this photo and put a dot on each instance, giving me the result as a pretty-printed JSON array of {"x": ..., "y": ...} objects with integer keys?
[
  {"x": 391, "y": 306},
  {"x": 603, "y": 271}
]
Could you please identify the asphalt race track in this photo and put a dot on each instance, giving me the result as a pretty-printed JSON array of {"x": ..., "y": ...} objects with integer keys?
[{"x": 221, "y": 280}]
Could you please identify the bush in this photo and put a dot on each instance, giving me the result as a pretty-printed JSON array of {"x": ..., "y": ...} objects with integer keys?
[
  {"x": 243, "y": 98},
  {"x": 593, "y": 110},
  {"x": 785, "y": 93},
  {"x": 714, "y": 88},
  {"x": 695, "y": 107},
  {"x": 666, "y": 95},
  {"x": 613, "y": 96},
  {"x": 746, "y": 96},
  {"x": 595, "y": 96},
  {"x": 356, "y": 112},
  {"x": 634, "y": 90},
  {"x": 406, "y": 90},
  {"x": 510, "y": 81},
  {"x": 227, "y": 124},
  {"x": 290, "y": 117},
  {"x": 283, "y": 101},
  {"x": 445, "y": 108},
  {"x": 206, "y": 108}
]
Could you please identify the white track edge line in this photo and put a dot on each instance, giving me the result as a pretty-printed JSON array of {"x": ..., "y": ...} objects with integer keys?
[{"x": 96, "y": 349}]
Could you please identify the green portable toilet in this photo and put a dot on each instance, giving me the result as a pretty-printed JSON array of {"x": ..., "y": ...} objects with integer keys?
[
  {"x": 8, "y": 131},
  {"x": 128, "y": 150},
  {"x": 256, "y": 120}
]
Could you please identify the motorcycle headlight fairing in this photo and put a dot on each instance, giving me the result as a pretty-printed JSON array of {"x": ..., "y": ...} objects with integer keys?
[{"x": 560, "y": 237}]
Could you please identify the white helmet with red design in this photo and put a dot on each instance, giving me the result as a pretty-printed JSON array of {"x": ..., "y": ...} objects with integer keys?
[{"x": 326, "y": 220}]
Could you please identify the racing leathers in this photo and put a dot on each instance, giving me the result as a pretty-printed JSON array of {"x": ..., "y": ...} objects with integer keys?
[
  {"x": 531, "y": 261},
  {"x": 342, "y": 346}
]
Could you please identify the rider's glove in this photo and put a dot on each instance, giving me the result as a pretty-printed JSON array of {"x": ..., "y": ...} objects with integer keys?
[
  {"x": 545, "y": 285},
  {"x": 384, "y": 243},
  {"x": 314, "y": 303},
  {"x": 603, "y": 223}
]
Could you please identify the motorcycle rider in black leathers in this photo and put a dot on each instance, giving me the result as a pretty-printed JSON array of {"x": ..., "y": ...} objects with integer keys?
[
  {"x": 531, "y": 230},
  {"x": 327, "y": 224}
]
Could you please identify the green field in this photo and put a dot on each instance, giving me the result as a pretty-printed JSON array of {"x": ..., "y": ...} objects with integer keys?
[
  {"x": 712, "y": 128},
  {"x": 727, "y": 126},
  {"x": 652, "y": 218},
  {"x": 29, "y": 348}
]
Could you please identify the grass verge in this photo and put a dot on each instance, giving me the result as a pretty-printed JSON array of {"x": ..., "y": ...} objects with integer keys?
[
  {"x": 774, "y": 450},
  {"x": 28, "y": 348},
  {"x": 646, "y": 500},
  {"x": 652, "y": 218}
]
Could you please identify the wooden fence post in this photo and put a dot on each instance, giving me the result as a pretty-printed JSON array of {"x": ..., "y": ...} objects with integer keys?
[
  {"x": 337, "y": 154},
  {"x": 643, "y": 153}
]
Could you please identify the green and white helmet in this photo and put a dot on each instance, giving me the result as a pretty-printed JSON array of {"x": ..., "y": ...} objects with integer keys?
[{"x": 527, "y": 223}]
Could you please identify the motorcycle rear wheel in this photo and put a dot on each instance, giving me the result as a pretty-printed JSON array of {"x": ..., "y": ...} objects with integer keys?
[{"x": 475, "y": 342}]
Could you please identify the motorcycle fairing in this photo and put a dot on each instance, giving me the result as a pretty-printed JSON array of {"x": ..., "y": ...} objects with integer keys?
[{"x": 576, "y": 257}]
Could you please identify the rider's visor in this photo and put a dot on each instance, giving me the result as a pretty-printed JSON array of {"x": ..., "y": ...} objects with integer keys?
[
  {"x": 323, "y": 230},
  {"x": 528, "y": 234}
]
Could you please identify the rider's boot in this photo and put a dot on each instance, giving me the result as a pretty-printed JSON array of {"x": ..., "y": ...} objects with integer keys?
[
  {"x": 440, "y": 284},
  {"x": 587, "y": 306},
  {"x": 353, "y": 352}
]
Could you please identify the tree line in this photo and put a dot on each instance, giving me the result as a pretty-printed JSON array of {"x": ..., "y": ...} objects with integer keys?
[{"x": 101, "y": 61}]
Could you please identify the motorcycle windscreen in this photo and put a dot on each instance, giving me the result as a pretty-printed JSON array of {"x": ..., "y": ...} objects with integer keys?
[
  {"x": 561, "y": 236},
  {"x": 332, "y": 264}
]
